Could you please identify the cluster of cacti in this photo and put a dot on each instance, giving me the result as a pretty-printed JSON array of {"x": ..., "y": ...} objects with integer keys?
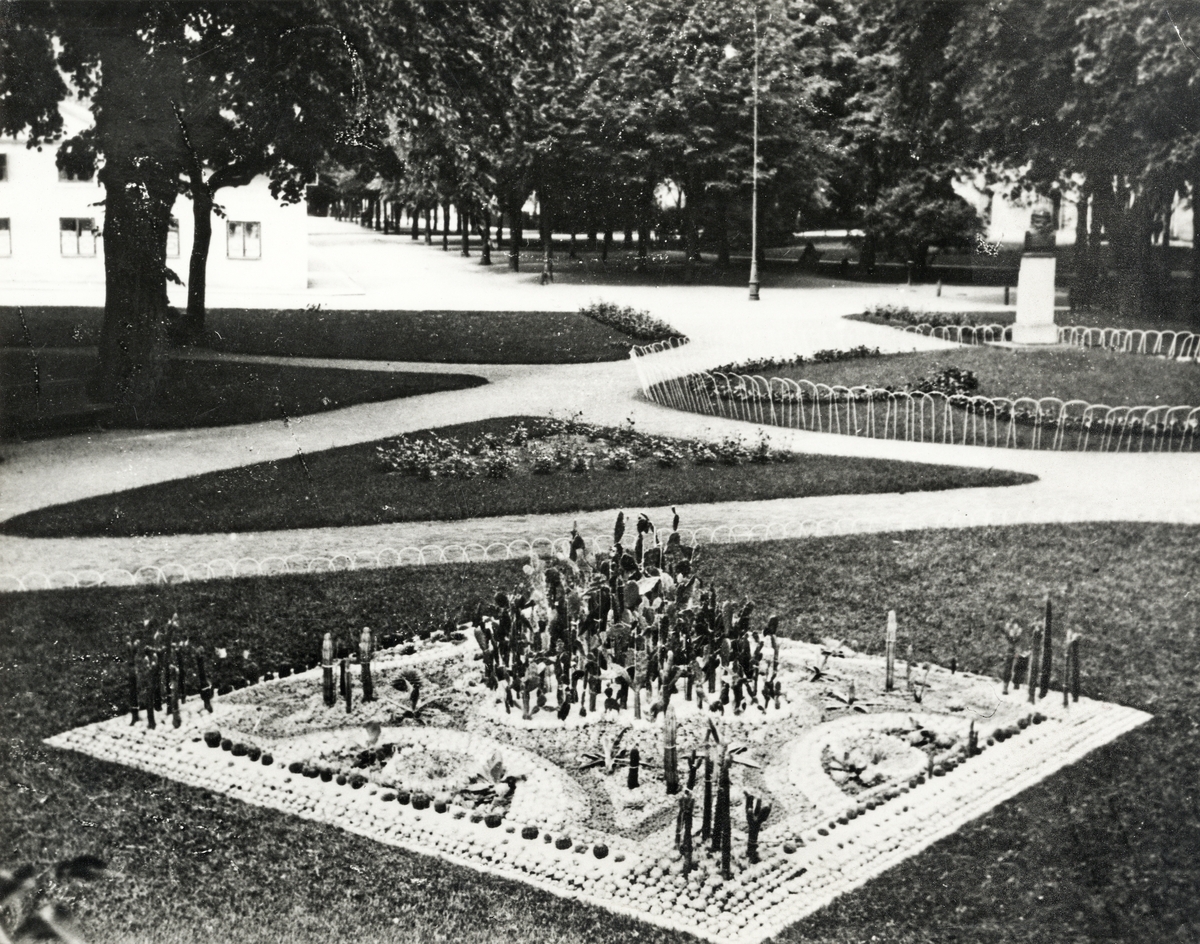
[
  {"x": 1035, "y": 666},
  {"x": 625, "y": 631},
  {"x": 157, "y": 674}
]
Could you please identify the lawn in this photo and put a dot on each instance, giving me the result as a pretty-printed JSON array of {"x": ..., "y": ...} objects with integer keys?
[
  {"x": 1093, "y": 375},
  {"x": 350, "y": 486},
  {"x": 209, "y": 393},
  {"x": 1105, "y": 850},
  {"x": 464, "y": 337}
]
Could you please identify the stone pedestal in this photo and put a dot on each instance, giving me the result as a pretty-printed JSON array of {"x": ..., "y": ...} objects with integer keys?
[{"x": 1035, "y": 300}]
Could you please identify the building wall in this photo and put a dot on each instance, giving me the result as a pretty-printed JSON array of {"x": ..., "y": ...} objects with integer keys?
[
  {"x": 34, "y": 201},
  {"x": 1007, "y": 220}
]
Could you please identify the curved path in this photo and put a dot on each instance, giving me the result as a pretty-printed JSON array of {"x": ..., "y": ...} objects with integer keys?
[{"x": 724, "y": 327}]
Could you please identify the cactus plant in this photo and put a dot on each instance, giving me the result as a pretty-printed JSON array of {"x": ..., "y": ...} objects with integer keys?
[
  {"x": 670, "y": 753},
  {"x": 634, "y": 766},
  {"x": 756, "y": 814},
  {"x": 1012, "y": 632},
  {"x": 683, "y": 829},
  {"x": 176, "y": 721},
  {"x": 206, "y": 689},
  {"x": 131, "y": 676},
  {"x": 364, "y": 661},
  {"x": 1035, "y": 654},
  {"x": 327, "y": 671},
  {"x": 1047, "y": 653}
]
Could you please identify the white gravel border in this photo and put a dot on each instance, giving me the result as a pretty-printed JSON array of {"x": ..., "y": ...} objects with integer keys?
[{"x": 761, "y": 901}]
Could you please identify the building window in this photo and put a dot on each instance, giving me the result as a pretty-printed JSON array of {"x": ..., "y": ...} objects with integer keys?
[
  {"x": 243, "y": 240},
  {"x": 173, "y": 239},
  {"x": 77, "y": 236},
  {"x": 70, "y": 175},
  {"x": 3, "y": 167},
  {"x": 5, "y": 238}
]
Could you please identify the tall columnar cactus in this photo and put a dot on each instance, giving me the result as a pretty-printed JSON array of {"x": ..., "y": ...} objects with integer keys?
[
  {"x": 1075, "y": 667},
  {"x": 706, "y": 813},
  {"x": 347, "y": 684},
  {"x": 724, "y": 803},
  {"x": 890, "y": 651},
  {"x": 148, "y": 674},
  {"x": 365, "y": 643},
  {"x": 181, "y": 650},
  {"x": 176, "y": 721},
  {"x": 1012, "y": 632},
  {"x": 635, "y": 764},
  {"x": 1047, "y": 654},
  {"x": 1035, "y": 655},
  {"x": 721, "y": 804},
  {"x": 327, "y": 670},
  {"x": 156, "y": 686},
  {"x": 202, "y": 679},
  {"x": 131, "y": 676},
  {"x": 683, "y": 830},
  {"x": 670, "y": 752},
  {"x": 756, "y": 814}
]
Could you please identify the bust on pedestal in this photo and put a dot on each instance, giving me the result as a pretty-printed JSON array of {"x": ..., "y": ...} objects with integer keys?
[{"x": 1035, "y": 284}]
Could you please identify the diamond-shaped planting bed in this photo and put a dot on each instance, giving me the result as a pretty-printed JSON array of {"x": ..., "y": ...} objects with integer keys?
[{"x": 857, "y": 783}]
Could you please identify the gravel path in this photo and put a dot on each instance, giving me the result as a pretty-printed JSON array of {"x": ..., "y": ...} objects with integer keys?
[{"x": 724, "y": 327}]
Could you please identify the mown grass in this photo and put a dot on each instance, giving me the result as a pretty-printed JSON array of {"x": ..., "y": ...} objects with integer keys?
[
  {"x": 1104, "y": 850},
  {"x": 350, "y": 486},
  {"x": 197, "y": 393},
  {"x": 1068, "y": 373},
  {"x": 463, "y": 337}
]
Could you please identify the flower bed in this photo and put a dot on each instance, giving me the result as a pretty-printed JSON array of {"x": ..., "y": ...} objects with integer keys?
[{"x": 614, "y": 731}]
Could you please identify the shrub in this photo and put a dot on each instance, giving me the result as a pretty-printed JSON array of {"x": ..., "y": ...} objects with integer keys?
[
  {"x": 543, "y": 461},
  {"x": 619, "y": 459},
  {"x": 731, "y": 450},
  {"x": 668, "y": 455},
  {"x": 581, "y": 462},
  {"x": 637, "y": 324}
]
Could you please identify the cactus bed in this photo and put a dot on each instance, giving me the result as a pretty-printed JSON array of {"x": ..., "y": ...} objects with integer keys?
[{"x": 857, "y": 777}]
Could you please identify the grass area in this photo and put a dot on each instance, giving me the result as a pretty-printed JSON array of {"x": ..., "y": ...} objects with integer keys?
[
  {"x": 209, "y": 393},
  {"x": 464, "y": 337},
  {"x": 350, "y": 486},
  {"x": 1069, "y": 373},
  {"x": 1104, "y": 850}
]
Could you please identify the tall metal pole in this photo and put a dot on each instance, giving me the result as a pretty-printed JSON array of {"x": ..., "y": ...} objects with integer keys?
[{"x": 754, "y": 176}]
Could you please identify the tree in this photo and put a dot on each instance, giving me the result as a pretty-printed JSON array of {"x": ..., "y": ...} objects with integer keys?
[{"x": 162, "y": 113}]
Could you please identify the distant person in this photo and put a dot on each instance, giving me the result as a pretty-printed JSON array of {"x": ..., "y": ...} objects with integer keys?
[{"x": 810, "y": 257}]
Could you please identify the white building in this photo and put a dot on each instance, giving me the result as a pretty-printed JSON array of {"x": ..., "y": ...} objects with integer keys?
[
  {"x": 1006, "y": 220},
  {"x": 51, "y": 227}
]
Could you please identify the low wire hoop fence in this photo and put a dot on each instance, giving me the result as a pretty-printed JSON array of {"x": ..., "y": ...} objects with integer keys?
[
  {"x": 957, "y": 419},
  {"x": 1173, "y": 345}
]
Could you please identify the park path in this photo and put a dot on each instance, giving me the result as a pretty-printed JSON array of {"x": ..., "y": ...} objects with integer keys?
[{"x": 724, "y": 327}]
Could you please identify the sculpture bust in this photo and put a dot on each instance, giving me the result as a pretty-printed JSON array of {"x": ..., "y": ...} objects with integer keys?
[{"x": 1040, "y": 235}]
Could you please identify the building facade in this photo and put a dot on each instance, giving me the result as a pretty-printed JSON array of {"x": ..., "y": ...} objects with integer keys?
[{"x": 51, "y": 227}]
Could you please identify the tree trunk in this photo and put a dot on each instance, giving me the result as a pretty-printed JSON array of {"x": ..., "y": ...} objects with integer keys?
[
  {"x": 136, "y": 120},
  {"x": 689, "y": 240},
  {"x": 414, "y": 217},
  {"x": 428, "y": 226},
  {"x": 514, "y": 237},
  {"x": 464, "y": 227},
  {"x": 446, "y": 226},
  {"x": 485, "y": 250},
  {"x": 1081, "y": 296},
  {"x": 643, "y": 246},
  {"x": 628, "y": 237},
  {"x": 1194, "y": 299},
  {"x": 547, "y": 236},
  {"x": 606, "y": 245},
  {"x": 202, "y": 207},
  {"x": 723, "y": 232},
  {"x": 571, "y": 251}
]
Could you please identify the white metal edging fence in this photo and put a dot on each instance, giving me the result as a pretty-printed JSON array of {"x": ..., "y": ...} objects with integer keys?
[
  {"x": 1175, "y": 345},
  {"x": 1022, "y": 422}
]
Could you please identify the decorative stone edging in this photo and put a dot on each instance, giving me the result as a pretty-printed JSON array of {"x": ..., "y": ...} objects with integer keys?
[{"x": 808, "y": 859}]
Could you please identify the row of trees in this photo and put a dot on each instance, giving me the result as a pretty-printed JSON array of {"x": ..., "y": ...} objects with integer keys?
[{"x": 869, "y": 109}]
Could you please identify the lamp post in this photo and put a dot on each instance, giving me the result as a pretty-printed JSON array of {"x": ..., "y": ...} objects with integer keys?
[{"x": 754, "y": 174}]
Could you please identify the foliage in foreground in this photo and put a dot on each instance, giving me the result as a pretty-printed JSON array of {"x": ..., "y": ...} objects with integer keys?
[{"x": 1101, "y": 851}]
